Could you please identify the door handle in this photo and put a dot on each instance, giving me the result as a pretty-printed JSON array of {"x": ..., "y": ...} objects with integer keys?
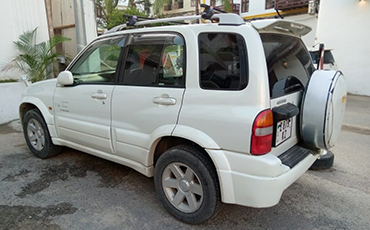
[
  {"x": 99, "y": 95},
  {"x": 164, "y": 100}
]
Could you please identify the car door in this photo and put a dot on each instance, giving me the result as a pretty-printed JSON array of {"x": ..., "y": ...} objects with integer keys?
[
  {"x": 83, "y": 110},
  {"x": 148, "y": 99}
]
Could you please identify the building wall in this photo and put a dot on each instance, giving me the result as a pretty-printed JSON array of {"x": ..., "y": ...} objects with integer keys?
[
  {"x": 90, "y": 20},
  {"x": 17, "y": 17},
  {"x": 343, "y": 26},
  {"x": 64, "y": 16},
  {"x": 10, "y": 100},
  {"x": 63, "y": 12}
]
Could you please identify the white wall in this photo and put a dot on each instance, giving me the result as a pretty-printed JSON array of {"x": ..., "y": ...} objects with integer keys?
[
  {"x": 18, "y": 16},
  {"x": 10, "y": 100},
  {"x": 344, "y": 26}
]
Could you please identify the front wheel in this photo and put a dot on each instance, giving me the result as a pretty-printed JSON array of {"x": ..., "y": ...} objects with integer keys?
[
  {"x": 37, "y": 135},
  {"x": 187, "y": 184}
]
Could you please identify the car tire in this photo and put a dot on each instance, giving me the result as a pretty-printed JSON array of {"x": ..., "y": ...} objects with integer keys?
[
  {"x": 187, "y": 185},
  {"x": 325, "y": 161},
  {"x": 37, "y": 135}
]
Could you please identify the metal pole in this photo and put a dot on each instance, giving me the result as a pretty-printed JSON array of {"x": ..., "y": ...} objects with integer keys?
[
  {"x": 80, "y": 25},
  {"x": 49, "y": 18}
]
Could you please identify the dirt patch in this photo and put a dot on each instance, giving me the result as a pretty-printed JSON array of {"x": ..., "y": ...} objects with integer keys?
[
  {"x": 28, "y": 217},
  {"x": 11, "y": 127},
  {"x": 13, "y": 178},
  {"x": 6, "y": 129},
  {"x": 111, "y": 174}
]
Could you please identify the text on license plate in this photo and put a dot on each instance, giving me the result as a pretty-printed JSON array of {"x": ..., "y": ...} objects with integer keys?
[{"x": 283, "y": 131}]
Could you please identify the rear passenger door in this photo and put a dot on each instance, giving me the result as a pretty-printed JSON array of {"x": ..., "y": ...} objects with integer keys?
[{"x": 147, "y": 101}]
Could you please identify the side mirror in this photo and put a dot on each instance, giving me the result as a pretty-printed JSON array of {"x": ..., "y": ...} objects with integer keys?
[{"x": 65, "y": 78}]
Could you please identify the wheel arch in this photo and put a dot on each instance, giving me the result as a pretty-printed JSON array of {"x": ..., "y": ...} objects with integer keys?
[
  {"x": 35, "y": 103},
  {"x": 166, "y": 142}
]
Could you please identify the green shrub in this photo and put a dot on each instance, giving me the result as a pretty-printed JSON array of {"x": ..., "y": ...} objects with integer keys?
[{"x": 35, "y": 59}]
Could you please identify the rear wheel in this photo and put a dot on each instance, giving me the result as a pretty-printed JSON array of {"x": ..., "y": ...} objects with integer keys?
[
  {"x": 37, "y": 135},
  {"x": 187, "y": 184}
]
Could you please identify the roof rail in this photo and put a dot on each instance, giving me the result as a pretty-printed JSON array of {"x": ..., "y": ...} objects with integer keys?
[{"x": 207, "y": 14}]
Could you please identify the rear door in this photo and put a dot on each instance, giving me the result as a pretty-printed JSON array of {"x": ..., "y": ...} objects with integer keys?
[
  {"x": 289, "y": 69},
  {"x": 148, "y": 99}
]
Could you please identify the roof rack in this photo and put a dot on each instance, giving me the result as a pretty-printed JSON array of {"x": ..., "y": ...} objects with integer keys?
[{"x": 207, "y": 14}]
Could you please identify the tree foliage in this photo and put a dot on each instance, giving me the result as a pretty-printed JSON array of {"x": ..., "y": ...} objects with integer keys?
[
  {"x": 116, "y": 18},
  {"x": 106, "y": 7},
  {"x": 35, "y": 59}
]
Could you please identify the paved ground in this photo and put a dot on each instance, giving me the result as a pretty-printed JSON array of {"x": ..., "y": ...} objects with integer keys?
[{"x": 77, "y": 191}]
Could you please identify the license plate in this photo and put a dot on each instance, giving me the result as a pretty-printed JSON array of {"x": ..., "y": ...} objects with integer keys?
[{"x": 283, "y": 131}]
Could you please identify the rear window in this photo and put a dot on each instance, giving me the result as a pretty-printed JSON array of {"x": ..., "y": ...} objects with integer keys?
[
  {"x": 288, "y": 62},
  {"x": 223, "y": 61}
]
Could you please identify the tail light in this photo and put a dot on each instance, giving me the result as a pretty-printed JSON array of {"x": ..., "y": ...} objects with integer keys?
[{"x": 262, "y": 133}]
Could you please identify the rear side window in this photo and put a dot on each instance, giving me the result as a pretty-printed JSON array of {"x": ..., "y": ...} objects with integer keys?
[
  {"x": 155, "y": 60},
  {"x": 288, "y": 62},
  {"x": 223, "y": 62}
]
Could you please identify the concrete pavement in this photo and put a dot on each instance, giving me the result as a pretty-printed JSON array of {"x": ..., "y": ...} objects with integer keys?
[{"x": 357, "y": 116}]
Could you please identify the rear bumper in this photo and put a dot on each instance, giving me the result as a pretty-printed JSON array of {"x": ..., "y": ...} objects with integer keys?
[{"x": 257, "y": 181}]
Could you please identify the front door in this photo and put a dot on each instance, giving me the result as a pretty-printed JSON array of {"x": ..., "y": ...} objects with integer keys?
[{"x": 83, "y": 110}]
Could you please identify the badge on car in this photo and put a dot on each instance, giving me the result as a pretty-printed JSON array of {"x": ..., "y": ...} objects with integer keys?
[{"x": 283, "y": 131}]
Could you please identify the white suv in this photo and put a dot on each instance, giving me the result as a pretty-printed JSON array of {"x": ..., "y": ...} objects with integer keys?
[{"x": 228, "y": 111}]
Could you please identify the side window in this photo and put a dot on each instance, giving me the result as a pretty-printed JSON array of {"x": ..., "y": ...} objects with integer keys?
[
  {"x": 223, "y": 64},
  {"x": 155, "y": 60},
  {"x": 99, "y": 62}
]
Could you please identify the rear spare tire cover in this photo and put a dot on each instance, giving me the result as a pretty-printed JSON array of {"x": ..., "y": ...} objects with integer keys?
[{"x": 323, "y": 109}]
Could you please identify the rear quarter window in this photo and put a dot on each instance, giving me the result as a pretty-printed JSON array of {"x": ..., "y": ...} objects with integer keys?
[{"x": 223, "y": 62}]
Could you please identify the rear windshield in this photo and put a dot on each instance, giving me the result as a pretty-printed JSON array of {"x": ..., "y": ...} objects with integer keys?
[{"x": 288, "y": 62}]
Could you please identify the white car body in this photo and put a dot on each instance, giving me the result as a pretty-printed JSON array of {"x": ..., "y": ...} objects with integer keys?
[{"x": 131, "y": 125}]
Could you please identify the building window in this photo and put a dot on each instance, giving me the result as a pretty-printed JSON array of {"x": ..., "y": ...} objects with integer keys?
[
  {"x": 245, "y": 6},
  {"x": 269, "y": 4},
  {"x": 213, "y": 3}
]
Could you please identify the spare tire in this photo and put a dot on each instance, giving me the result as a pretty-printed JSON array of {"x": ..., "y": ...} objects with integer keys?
[{"x": 322, "y": 109}]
